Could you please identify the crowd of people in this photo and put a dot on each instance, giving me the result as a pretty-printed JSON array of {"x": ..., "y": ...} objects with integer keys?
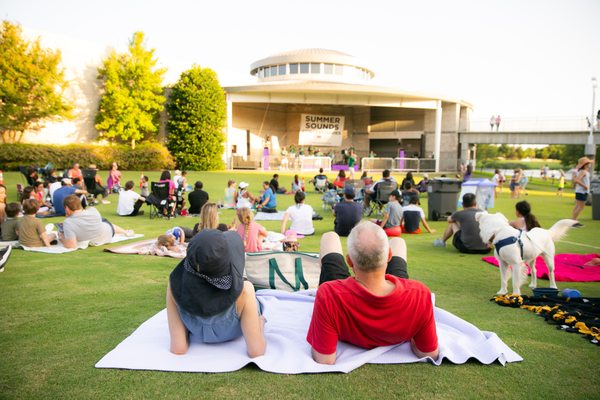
[{"x": 362, "y": 297}]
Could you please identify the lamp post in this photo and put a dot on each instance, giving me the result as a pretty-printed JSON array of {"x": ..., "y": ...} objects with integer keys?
[{"x": 590, "y": 148}]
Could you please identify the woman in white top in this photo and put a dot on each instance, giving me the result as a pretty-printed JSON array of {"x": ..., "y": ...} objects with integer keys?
[
  {"x": 301, "y": 216},
  {"x": 243, "y": 197},
  {"x": 582, "y": 185}
]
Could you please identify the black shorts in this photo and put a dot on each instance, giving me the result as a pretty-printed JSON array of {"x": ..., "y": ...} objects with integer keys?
[
  {"x": 581, "y": 196},
  {"x": 333, "y": 266},
  {"x": 460, "y": 246}
]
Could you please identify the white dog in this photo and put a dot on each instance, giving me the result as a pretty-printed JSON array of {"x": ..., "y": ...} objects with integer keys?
[{"x": 515, "y": 248}]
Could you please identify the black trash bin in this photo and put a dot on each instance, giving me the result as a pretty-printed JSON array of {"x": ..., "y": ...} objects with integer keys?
[
  {"x": 595, "y": 190},
  {"x": 442, "y": 198}
]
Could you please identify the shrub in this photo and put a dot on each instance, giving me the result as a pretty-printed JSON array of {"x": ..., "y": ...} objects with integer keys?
[{"x": 146, "y": 156}]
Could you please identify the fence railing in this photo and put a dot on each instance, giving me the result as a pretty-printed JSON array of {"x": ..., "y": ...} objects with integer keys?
[
  {"x": 528, "y": 124},
  {"x": 401, "y": 164},
  {"x": 270, "y": 163}
]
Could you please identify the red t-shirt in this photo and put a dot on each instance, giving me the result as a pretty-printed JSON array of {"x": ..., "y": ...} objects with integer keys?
[{"x": 344, "y": 310}]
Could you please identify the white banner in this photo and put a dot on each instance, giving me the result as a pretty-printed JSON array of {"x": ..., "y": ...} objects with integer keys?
[{"x": 321, "y": 130}]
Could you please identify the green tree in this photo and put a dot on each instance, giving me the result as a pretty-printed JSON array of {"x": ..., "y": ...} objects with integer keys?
[
  {"x": 487, "y": 151},
  {"x": 31, "y": 84},
  {"x": 197, "y": 116},
  {"x": 570, "y": 154},
  {"x": 504, "y": 150},
  {"x": 132, "y": 96}
]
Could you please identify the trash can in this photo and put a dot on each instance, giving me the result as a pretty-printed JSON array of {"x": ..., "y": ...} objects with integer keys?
[
  {"x": 442, "y": 196},
  {"x": 595, "y": 191}
]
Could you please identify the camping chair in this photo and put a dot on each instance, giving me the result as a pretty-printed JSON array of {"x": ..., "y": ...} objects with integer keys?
[
  {"x": 89, "y": 180},
  {"x": 358, "y": 186},
  {"x": 384, "y": 189},
  {"x": 321, "y": 185},
  {"x": 161, "y": 205}
]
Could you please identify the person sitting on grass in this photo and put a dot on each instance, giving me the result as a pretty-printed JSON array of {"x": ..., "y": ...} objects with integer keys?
[
  {"x": 301, "y": 216},
  {"x": 275, "y": 185},
  {"x": 268, "y": 201},
  {"x": 197, "y": 198},
  {"x": 130, "y": 202},
  {"x": 464, "y": 229},
  {"x": 392, "y": 213},
  {"x": 209, "y": 219},
  {"x": 59, "y": 195},
  {"x": 340, "y": 179},
  {"x": 208, "y": 299},
  {"x": 3, "y": 197},
  {"x": 10, "y": 223},
  {"x": 525, "y": 221},
  {"x": 348, "y": 213},
  {"x": 230, "y": 192},
  {"x": 243, "y": 198},
  {"x": 252, "y": 233},
  {"x": 30, "y": 229},
  {"x": 86, "y": 225},
  {"x": 296, "y": 185},
  {"x": 378, "y": 306},
  {"x": 412, "y": 215},
  {"x": 409, "y": 193}
]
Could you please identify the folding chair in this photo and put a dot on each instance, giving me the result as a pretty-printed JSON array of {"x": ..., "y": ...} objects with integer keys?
[
  {"x": 384, "y": 189},
  {"x": 89, "y": 180},
  {"x": 321, "y": 185},
  {"x": 161, "y": 205}
]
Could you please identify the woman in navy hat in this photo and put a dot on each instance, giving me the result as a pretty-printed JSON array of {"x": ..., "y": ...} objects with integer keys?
[{"x": 208, "y": 298}]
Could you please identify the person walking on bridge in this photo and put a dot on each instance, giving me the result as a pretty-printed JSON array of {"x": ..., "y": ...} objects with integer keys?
[
  {"x": 492, "y": 122},
  {"x": 498, "y": 120}
]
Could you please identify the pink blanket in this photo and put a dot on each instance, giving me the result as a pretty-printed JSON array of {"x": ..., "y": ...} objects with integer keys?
[{"x": 567, "y": 267}]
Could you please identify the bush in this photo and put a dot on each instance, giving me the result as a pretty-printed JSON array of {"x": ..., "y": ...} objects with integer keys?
[{"x": 147, "y": 156}]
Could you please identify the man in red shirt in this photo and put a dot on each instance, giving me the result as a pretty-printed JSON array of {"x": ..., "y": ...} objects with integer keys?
[{"x": 379, "y": 306}]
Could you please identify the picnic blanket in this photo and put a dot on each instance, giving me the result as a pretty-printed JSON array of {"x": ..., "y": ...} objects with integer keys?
[
  {"x": 567, "y": 267},
  {"x": 145, "y": 247},
  {"x": 288, "y": 316},
  {"x": 60, "y": 249},
  {"x": 263, "y": 216}
]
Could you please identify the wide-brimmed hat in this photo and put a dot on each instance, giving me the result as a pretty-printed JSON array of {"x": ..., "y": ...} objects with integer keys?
[
  {"x": 210, "y": 278},
  {"x": 243, "y": 185},
  {"x": 582, "y": 161}
]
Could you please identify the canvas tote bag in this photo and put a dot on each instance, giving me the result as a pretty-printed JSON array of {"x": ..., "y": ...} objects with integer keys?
[{"x": 284, "y": 270}]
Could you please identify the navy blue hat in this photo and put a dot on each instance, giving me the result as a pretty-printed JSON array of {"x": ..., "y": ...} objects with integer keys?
[{"x": 210, "y": 278}]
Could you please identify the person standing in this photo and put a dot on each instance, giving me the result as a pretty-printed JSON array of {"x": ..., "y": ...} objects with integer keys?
[
  {"x": 351, "y": 162},
  {"x": 561, "y": 183},
  {"x": 492, "y": 122},
  {"x": 582, "y": 185},
  {"x": 498, "y": 120}
]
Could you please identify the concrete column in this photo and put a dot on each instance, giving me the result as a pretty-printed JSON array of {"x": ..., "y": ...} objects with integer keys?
[
  {"x": 464, "y": 153},
  {"x": 437, "y": 138},
  {"x": 228, "y": 133}
]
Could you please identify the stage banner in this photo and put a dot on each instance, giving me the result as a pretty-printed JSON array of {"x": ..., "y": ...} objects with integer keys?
[{"x": 321, "y": 130}]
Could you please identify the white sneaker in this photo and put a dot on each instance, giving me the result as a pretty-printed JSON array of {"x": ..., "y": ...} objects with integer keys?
[
  {"x": 4, "y": 254},
  {"x": 105, "y": 201},
  {"x": 439, "y": 243}
]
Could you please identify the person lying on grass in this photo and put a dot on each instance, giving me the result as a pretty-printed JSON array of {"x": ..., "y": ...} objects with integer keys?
[
  {"x": 379, "y": 306},
  {"x": 208, "y": 299}
]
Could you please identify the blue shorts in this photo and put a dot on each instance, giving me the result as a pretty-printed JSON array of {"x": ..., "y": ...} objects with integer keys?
[
  {"x": 581, "y": 196},
  {"x": 219, "y": 328}
]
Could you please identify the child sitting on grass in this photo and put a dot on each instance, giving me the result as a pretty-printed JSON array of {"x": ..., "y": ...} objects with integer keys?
[
  {"x": 30, "y": 229},
  {"x": 251, "y": 232},
  {"x": 412, "y": 216},
  {"x": 9, "y": 225}
]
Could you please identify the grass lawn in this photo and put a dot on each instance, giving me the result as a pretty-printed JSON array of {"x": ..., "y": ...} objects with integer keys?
[{"x": 61, "y": 313}]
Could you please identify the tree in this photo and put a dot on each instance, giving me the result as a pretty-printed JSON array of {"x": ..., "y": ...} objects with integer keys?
[
  {"x": 32, "y": 84},
  {"x": 570, "y": 154},
  {"x": 132, "y": 97},
  {"x": 487, "y": 151},
  {"x": 197, "y": 116}
]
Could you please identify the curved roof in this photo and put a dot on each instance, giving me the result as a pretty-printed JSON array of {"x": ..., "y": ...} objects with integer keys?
[{"x": 310, "y": 55}]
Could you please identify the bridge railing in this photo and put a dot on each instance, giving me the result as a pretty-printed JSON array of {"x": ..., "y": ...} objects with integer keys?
[{"x": 535, "y": 124}]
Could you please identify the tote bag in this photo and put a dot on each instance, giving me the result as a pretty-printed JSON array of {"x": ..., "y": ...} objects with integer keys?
[{"x": 289, "y": 271}]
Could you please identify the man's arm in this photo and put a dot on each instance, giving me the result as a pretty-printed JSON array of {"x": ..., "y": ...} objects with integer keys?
[
  {"x": 422, "y": 354},
  {"x": 68, "y": 243},
  {"x": 323, "y": 358}
]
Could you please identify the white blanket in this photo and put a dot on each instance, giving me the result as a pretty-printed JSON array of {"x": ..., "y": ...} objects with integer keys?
[
  {"x": 288, "y": 316},
  {"x": 263, "y": 216},
  {"x": 60, "y": 249}
]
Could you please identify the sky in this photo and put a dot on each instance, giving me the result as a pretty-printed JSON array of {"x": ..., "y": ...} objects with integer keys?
[{"x": 517, "y": 58}]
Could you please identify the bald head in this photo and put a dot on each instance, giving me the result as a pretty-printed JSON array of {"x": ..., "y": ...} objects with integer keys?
[{"x": 368, "y": 247}]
